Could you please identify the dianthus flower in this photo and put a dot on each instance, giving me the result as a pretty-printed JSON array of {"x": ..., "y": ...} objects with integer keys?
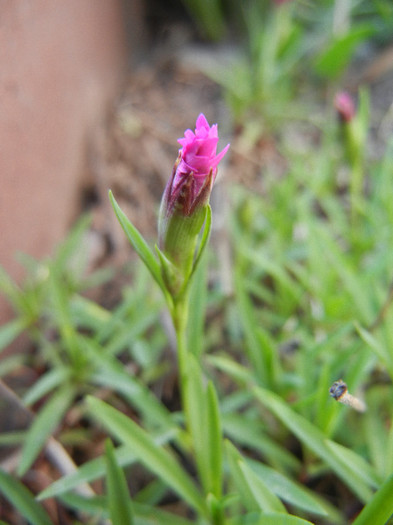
[{"x": 187, "y": 193}]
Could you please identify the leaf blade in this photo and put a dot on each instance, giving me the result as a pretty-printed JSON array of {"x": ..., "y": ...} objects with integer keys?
[
  {"x": 119, "y": 501},
  {"x": 139, "y": 243},
  {"x": 43, "y": 425},
  {"x": 22, "y": 499},
  {"x": 158, "y": 460}
]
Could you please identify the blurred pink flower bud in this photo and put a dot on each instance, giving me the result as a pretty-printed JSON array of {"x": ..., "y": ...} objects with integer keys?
[{"x": 345, "y": 106}]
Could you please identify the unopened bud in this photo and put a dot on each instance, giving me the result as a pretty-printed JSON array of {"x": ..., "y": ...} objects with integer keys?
[{"x": 187, "y": 194}]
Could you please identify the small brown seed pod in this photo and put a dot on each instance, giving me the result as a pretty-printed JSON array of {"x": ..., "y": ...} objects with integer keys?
[{"x": 339, "y": 392}]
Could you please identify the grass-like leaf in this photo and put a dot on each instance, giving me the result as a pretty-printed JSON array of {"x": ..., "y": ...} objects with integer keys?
[
  {"x": 119, "y": 501},
  {"x": 45, "y": 384},
  {"x": 158, "y": 460},
  {"x": 214, "y": 446},
  {"x": 254, "y": 493},
  {"x": 378, "y": 348},
  {"x": 95, "y": 469},
  {"x": 287, "y": 489},
  {"x": 314, "y": 439},
  {"x": 43, "y": 425},
  {"x": 143, "y": 514},
  {"x": 266, "y": 500},
  {"x": 205, "y": 427},
  {"x": 23, "y": 500},
  {"x": 139, "y": 243},
  {"x": 380, "y": 508},
  {"x": 9, "y": 332},
  {"x": 270, "y": 519}
]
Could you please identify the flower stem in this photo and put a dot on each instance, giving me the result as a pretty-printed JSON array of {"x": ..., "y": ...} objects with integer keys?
[
  {"x": 180, "y": 318},
  {"x": 215, "y": 514}
]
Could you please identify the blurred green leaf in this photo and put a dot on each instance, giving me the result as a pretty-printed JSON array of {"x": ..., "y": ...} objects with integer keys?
[
  {"x": 208, "y": 16},
  {"x": 47, "y": 382},
  {"x": 119, "y": 501},
  {"x": 158, "y": 460},
  {"x": 380, "y": 508},
  {"x": 254, "y": 493},
  {"x": 253, "y": 434},
  {"x": 95, "y": 469},
  {"x": 22, "y": 499},
  {"x": 356, "y": 463},
  {"x": 269, "y": 519},
  {"x": 287, "y": 490},
  {"x": 201, "y": 407},
  {"x": 44, "y": 424},
  {"x": 265, "y": 498},
  {"x": 313, "y": 438},
  {"x": 336, "y": 57},
  {"x": 10, "y": 331},
  {"x": 215, "y": 441},
  {"x": 377, "y": 347}
]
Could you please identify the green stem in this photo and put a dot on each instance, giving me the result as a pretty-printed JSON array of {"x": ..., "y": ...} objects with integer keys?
[{"x": 180, "y": 318}]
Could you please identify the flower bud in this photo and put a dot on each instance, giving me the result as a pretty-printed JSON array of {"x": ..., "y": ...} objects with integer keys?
[
  {"x": 187, "y": 194},
  {"x": 344, "y": 106}
]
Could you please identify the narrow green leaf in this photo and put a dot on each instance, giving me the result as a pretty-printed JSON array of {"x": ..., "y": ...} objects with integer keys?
[
  {"x": 43, "y": 425},
  {"x": 148, "y": 515},
  {"x": 253, "y": 434},
  {"x": 111, "y": 373},
  {"x": 195, "y": 410},
  {"x": 119, "y": 501},
  {"x": 91, "y": 505},
  {"x": 143, "y": 514},
  {"x": 139, "y": 244},
  {"x": 203, "y": 419},
  {"x": 95, "y": 469},
  {"x": 71, "y": 247},
  {"x": 269, "y": 519},
  {"x": 286, "y": 489},
  {"x": 315, "y": 440},
  {"x": 214, "y": 445},
  {"x": 379, "y": 349},
  {"x": 247, "y": 317},
  {"x": 380, "y": 508},
  {"x": 240, "y": 373},
  {"x": 356, "y": 463},
  {"x": 45, "y": 384},
  {"x": 158, "y": 460},
  {"x": 10, "y": 331},
  {"x": 246, "y": 496},
  {"x": 23, "y": 500},
  {"x": 266, "y": 500},
  {"x": 12, "y": 438},
  {"x": 10, "y": 289},
  {"x": 335, "y": 58}
]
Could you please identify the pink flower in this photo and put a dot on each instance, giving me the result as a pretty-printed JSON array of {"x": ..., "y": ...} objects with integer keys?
[
  {"x": 195, "y": 169},
  {"x": 345, "y": 106},
  {"x": 187, "y": 193}
]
